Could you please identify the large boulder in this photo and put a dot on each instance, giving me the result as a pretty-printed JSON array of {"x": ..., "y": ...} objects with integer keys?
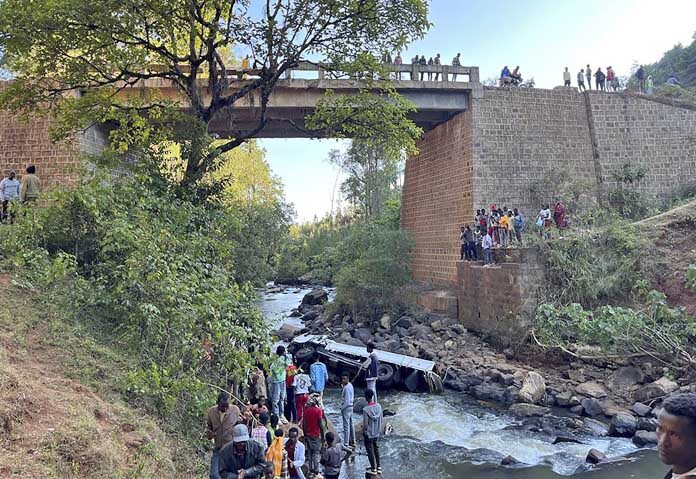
[
  {"x": 529, "y": 410},
  {"x": 385, "y": 321},
  {"x": 645, "y": 438},
  {"x": 364, "y": 335},
  {"x": 641, "y": 409},
  {"x": 595, "y": 456},
  {"x": 533, "y": 388},
  {"x": 489, "y": 392},
  {"x": 316, "y": 296},
  {"x": 625, "y": 377},
  {"x": 405, "y": 322},
  {"x": 647, "y": 424},
  {"x": 595, "y": 427},
  {"x": 287, "y": 332},
  {"x": 659, "y": 388},
  {"x": 592, "y": 407},
  {"x": 592, "y": 389},
  {"x": 623, "y": 425}
]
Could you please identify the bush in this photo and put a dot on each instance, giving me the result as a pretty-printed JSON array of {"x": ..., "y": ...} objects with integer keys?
[
  {"x": 377, "y": 260},
  {"x": 596, "y": 267},
  {"x": 655, "y": 330},
  {"x": 131, "y": 260}
]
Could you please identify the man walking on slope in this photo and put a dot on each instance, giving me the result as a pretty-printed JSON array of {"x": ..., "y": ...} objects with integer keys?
[
  {"x": 372, "y": 430},
  {"x": 371, "y": 366},
  {"x": 221, "y": 419}
]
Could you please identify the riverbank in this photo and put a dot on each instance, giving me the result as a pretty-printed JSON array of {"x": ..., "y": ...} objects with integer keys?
[{"x": 602, "y": 398}]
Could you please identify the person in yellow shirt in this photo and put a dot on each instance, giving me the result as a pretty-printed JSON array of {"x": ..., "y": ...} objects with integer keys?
[
  {"x": 31, "y": 185},
  {"x": 504, "y": 223},
  {"x": 245, "y": 67},
  {"x": 511, "y": 226}
]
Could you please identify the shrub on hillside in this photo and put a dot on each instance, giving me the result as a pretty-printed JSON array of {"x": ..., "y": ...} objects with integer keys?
[{"x": 152, "y": 270}]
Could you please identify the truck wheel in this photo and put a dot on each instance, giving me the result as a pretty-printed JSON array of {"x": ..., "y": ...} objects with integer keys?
[
  {"x": 385, "y": 375},
  {"x": 304, "y": 355}
]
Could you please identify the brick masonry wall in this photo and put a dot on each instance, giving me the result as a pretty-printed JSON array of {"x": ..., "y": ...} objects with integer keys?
[
  {"x": 640, "y": 131},
  {"x": 437, "y": 199},
  {"x": 524, "y": 142},
  {"x": 24, "y": 143},
  {"x": 500, "y": 300}
]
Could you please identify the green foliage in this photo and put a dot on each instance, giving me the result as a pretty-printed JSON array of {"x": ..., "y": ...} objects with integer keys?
[
  {"x": 128, "y": 258},
  {"x": 376, "y": 269},
  {"x": 656, "y": 329},
  {"x": 101, "y": 48},
  {"x": 596, "y": 267},
  {"x": 678, "y": 61},
  {"x": 373, "y": 176}
]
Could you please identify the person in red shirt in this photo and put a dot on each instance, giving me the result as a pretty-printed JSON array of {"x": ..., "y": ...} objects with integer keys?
[{"x": 314, "y": 427}]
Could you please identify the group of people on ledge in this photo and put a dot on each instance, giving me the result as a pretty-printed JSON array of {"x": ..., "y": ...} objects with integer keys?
[
  {"x": 421, "y": 61},
  {"x": 288, "y": 437},
  {"x": 502, "y": 228},
  {"x": 610, "y": 81},
  {"x": 12, "y": 192}
]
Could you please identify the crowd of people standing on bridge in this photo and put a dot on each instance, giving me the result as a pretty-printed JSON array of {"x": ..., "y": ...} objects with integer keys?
[
  {"x": 504, "y": 228},
  {"x": 273, "y": 424},
  {"x": 421, "y": 61}
]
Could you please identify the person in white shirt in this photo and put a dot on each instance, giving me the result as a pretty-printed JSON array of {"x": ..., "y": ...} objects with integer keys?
[
  {"x": 676, "y": 435},
  {"x": 486, "y": 245},
  {"x": 301, "y": 383},
  {"x": 9, "y": 193}
]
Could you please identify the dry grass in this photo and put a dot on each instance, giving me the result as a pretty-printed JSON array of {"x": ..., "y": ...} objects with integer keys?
[{"x": 54, "y": 426}]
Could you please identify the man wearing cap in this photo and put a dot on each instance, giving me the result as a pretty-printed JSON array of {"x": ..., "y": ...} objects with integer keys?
[
  {"x": 314, "y": 427},
  {"x": 243, "y": 457},
  {"x": 676, "y": 435},
  {"x": 221, "y": 419}
]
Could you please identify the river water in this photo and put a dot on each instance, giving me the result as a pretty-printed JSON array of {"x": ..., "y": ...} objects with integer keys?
[{"x": 452, "y": 436}]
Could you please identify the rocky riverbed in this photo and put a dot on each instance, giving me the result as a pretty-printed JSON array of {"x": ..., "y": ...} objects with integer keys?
[{"x": 564, "y": 398}]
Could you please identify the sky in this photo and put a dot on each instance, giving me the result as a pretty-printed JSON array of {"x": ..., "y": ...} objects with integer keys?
[{"x": 542, "y": 36}]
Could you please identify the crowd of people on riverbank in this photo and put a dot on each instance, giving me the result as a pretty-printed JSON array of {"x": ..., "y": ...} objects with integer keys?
[
  {"x": 504, "y": 228},
  {"x": 256, "y": 435},
  {"x": 13, "y": 192}
]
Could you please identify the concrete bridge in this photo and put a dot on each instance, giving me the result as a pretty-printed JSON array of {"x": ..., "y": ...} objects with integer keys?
[{"x": 296, "y": 96}]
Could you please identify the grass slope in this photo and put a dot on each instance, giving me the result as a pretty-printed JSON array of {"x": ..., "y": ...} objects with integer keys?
[{"x": 60, "y": 413}]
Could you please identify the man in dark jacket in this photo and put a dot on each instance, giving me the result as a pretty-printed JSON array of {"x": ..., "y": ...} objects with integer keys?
[
  {"x": 676, "y": 435},
  {"x": 243, "y": 457},
  {"x": 372, "y": 430}
]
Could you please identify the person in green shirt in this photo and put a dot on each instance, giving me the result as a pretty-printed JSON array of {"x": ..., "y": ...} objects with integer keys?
[{"x": 278, "y": 381}]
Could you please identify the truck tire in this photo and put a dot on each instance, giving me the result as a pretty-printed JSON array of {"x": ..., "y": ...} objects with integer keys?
[
  {"x": 385, "y": 375},
  {"x": 304, "y": 355}
]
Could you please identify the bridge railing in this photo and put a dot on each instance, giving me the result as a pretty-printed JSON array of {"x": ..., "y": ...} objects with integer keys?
[{"x": 406, "y": 71}]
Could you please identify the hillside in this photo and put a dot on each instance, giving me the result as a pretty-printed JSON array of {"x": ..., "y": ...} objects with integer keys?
[
  {"x": 59, "y": 416},
  {"x": 680, "y": 61},
  {"x": 670, "y": 249}
]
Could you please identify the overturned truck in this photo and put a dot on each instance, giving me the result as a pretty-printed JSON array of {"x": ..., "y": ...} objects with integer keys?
[{"x": 395, "y": 371}]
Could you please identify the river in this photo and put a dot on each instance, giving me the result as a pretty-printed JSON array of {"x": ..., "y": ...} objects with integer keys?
[{"x": 452, "y": 436}]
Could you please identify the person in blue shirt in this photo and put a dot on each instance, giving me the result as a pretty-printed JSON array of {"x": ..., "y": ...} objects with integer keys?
[
  {"x": 319, "y": 376},
  {"x": 505, "y": 76}
]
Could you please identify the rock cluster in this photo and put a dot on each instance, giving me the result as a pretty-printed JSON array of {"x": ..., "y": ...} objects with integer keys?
[{"x": 607, "y": 399}]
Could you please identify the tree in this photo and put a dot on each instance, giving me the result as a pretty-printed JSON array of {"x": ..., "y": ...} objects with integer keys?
[
  {"x": 77, "y": 57},
  {"x": 373, "y": 176}
]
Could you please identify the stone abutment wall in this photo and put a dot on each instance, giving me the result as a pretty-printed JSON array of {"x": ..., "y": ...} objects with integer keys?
[{"x": 523, "y": 147}]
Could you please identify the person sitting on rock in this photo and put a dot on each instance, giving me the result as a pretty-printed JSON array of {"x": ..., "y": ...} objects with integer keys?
[{"x": 676, "y": 435}]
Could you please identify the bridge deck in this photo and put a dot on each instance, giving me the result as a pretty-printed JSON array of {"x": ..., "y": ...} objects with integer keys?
[{"x": 293, "y": 99}]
